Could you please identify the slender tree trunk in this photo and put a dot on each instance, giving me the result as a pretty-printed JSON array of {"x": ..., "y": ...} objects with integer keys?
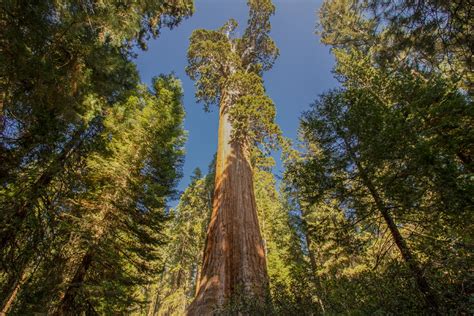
[
  {"x": 411, "y": 261},
  {"x": 21, "y": 210},
  {"x": 179, "y": 276},
  {"x": 152, "y": 305},
  {"x": 314, "y": 267},
  {"x": 14, "y": 288},
  {"x": 74, "y": 254},
  {"x": 203, "y": 235},
  {"x": 25, "y": 205},
  {"x": 234, "y": 258},
  {"x": 413, "y": 265},
  {"x": 198, "y": 278},
  {"x": 66, "y": 303},
  {"x": 10, "y": 299},
  {"x": 66, "y": 299},
  {"x": 15, "y": 281}
]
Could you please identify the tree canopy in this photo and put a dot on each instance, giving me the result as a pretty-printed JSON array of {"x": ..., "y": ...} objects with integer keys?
[{"x": 370, "y": 211}]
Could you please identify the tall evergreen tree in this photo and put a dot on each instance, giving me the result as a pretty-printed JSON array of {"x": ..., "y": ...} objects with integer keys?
[
  {"x": 178, "y": 281},
  {"x": 279, "y": 232},
  {"x": 378, "y": 164},
  {"x": 228, "y": 70},
  {"x": 121, "y": 215},
  {"x": 63, "y": 64}
]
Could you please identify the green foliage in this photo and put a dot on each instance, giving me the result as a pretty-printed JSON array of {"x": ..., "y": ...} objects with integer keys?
[
  {"x": 388, "y": 127},
  {"x": 253, "y": 115},
  {"x": 116, "y": 216},
  {"x": 227, "y": 71},
  {"x": 274, "y": 223},
  {"x": 65, "y": 67},
  {"x": 90, "y": 159},
  {"x": 258, "y": 50},
  {"x": 394, "y": 142},
  {"x": 428, "y": 36},
  {"x": 175, "y": 289}
]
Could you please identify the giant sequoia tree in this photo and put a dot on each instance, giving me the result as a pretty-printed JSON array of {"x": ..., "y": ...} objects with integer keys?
[
  {"x": 374, "y": 215},
  {"x": 228, "y": 71}
]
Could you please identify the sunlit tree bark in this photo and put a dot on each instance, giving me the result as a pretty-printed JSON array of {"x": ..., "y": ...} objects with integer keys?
[
  {"x": 228, "y": 72},
  {"x": 234, "y": 257}
]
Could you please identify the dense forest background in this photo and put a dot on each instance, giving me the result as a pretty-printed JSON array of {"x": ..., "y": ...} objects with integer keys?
[{"x": 373, "y": 214}]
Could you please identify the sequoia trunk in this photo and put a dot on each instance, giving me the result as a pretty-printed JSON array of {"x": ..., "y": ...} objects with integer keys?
[{"x": 234, "y": 259}]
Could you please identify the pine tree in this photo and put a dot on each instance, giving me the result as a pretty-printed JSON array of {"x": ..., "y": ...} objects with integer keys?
[
  {"x": 63, "y": 66},
  {"x": 273, "y": 220},
  {"x": 178, "y": 281},
  {"x": 431, "y": 36},
  {"x": 112, "y": 223},
  {"x": 125, "y": 209},
  {"x": 398, "y": 126},
  {"x": 377, "y": 165}
]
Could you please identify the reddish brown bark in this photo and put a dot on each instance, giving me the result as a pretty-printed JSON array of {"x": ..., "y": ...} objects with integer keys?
[
  {"x": 234, "y": 257},
  {"x": 12, "y": 294}
]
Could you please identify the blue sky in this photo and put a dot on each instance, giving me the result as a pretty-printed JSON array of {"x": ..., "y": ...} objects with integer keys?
[{"x": 300, "y": 74}]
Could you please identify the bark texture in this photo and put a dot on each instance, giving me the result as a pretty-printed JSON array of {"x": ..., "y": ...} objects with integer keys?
[
  {"x": 12, "y": 294},
  {"x": 234, "y": 257},
  {"x": 66, "y": 304}
]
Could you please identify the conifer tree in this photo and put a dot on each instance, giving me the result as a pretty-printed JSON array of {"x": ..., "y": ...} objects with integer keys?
[
  {"x": 431, "y": 36},
  {"x": 227, "y": 71},
  {"x": 385, "y": 153},
  {"x": 63, "y": 64},
  {"x": 178, "y": 281},
  {"x": 282, "y": 247},
  {"x": 399, "y": 124},
  {"x": 121, "y": 215}
]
